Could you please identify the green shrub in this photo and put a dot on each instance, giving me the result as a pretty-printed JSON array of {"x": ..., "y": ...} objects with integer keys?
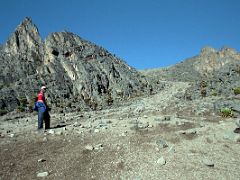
[
  {"x": 203, "y": 92},
  {"x": 236, "y": 90},
  {"x": 23, "y": 101},
  {"x": 20, "y": 109},
  {"x": 226, "y": 112},
  {"x": 214, "y": 93},
  {"x": 203, "y": 84}
]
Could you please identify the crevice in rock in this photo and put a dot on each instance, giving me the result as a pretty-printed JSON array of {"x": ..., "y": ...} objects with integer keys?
[{"x": 55, "y": 53}]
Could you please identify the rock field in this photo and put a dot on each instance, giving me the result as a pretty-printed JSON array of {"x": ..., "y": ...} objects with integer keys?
[{"x": 145, "y": 138}]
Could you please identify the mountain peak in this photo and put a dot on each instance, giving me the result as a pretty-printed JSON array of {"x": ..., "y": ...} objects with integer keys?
[
  {"x": 207, "y": 50},
  {"x": 27, "y": 20},
  {"x": 26, "y": 37}
]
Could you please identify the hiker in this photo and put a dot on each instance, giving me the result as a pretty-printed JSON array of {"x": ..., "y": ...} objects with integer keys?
[{"x": 42, "y": 108}]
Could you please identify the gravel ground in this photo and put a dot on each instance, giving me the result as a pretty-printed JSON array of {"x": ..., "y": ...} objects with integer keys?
[{"x": 156, "y": 137}]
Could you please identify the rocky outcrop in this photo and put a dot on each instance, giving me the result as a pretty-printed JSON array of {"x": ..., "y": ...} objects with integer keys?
[
  {"x": 212, "y": 73},
  {"x": 78, "y": 73}
]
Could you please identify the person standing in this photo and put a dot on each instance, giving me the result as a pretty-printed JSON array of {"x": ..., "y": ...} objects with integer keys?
[{"x": 42, "y": 108}]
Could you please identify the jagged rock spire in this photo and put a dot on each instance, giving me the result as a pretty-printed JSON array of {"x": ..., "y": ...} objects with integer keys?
[{"x": 25, "y": 38}]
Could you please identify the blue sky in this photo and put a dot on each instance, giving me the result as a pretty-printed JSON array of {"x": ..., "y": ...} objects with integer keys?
[{"x": 145, "y": 33}]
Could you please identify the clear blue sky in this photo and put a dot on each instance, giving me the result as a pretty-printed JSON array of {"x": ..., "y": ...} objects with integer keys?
[{"x": 145, "y": 33}]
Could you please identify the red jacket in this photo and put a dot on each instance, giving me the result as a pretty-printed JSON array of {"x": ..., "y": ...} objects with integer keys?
[{"x": 41, "y": 97}]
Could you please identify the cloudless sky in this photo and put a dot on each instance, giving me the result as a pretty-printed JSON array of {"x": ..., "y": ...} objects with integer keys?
[{"x": 145, "y": 33}]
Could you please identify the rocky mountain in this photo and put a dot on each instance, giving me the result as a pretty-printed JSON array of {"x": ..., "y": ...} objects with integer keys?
[
  {"x": 212, "y": 72},
  {"x": 77, "y": 73}
]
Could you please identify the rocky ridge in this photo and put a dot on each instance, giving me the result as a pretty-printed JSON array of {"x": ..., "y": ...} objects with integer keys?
[
  {"x": 78, "y": 73},
  {"x": 212, "y": 73}
]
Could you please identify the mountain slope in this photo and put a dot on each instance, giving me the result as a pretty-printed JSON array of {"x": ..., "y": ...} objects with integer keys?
[
  {"x": 78, "y": 73},
  {"x": 211, "y": 73}
]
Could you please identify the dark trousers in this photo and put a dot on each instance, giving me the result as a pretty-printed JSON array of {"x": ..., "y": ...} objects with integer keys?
[{"x": 43, "y": 116}]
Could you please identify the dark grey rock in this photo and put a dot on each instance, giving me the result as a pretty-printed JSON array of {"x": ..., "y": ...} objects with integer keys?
[
  {"x": 208, "y": 162},
  {"x": 161, "y": 143},
  {"x": 78, "y": 74}
]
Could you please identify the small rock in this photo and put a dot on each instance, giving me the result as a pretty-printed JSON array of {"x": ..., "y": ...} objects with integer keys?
[
  {"x": 45, "y": 139},
  {"x": 59, "y": 133},
  {"x": 157, "y": 119},
  {"x": 150, "y": 125},
  {"x": 202, "y": 124},
  {"x": 79, "y": 132},
  {"x": 76, "y": 124},
  {"x": 96, "y": 130},
  {"x": 139, "y": 109},
  {"x": 208, "y": 162},
  {"x": 237, "y": 130},
  {"x": 89, "y": 147},
  {"x": 82, "y": 126},
  {"x": 161, "y": 143},
  {"x": 237, "y": 138},
  {"x": 179, "y": 123},
  {"x": 98, "y": 146},
  {"x": 172, "y": 149},
  {"x": 190, "y": 131},
  {"x": 41, "y": 160},
  {"x": 11, "y": 135},
  {"x": 166, "y": 118},
  {"x": 8, "y": 131},
  {"x": 145, "y": 116},
  {"x": 161, "y": 161},
  {"x": 143, "y": 125},
  {"x": 51, "y": 131},
  {"x": 229, "y": 136},
  {"x": 108, "y": 121},
  {"x": 42, "y": 174},
  {"x": 238, "y": 123},
  {"x": 123, "y": 134}
]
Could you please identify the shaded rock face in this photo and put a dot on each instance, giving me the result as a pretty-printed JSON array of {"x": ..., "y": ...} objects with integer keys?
[{"x": 78, "y": 73}]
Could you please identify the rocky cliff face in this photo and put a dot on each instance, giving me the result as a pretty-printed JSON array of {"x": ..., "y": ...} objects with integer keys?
[
  {"x": 211, "y": 73},
  {"x": 78, "y": 73}
]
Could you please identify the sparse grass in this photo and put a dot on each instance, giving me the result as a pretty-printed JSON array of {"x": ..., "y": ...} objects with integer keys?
[
  {"x": 226, "y": 112},
  {"x": 20, "y": 109},
  {"x": 23, "y": 101},
  {"x": 203, "y": 92},
  {"x": 109, "y": 100},
  {"x": 214, "y": 93},
  {"x": 203, "y": 84},
  {"x": 236, "y": 90}
]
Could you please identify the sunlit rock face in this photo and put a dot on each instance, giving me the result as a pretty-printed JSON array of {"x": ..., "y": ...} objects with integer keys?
[{"x": 77, "y": 72}]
